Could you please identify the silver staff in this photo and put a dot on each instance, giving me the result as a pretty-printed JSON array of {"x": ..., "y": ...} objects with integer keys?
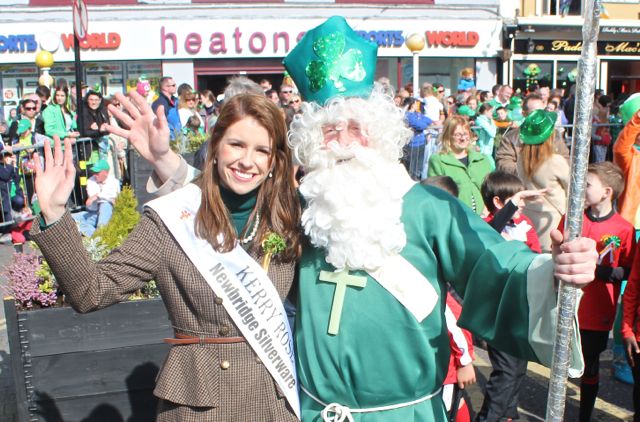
[{"x": 573, "y": 222}]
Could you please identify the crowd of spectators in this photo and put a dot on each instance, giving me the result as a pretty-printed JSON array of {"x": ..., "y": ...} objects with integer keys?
[{"x": 505, "y": 151}]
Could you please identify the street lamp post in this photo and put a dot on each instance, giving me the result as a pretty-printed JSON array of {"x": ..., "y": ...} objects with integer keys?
[
  {"x": 44, "y": 60},
  {"x": 415, "y": 44}
]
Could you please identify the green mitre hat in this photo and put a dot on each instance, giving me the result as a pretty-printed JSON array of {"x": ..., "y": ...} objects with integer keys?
[
  {"x": 538, "y": 127},
  {"x": 331, "y": 60}
]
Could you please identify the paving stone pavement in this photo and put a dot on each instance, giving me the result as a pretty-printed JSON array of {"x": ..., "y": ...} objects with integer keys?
[{"x": 7, "y": 393}]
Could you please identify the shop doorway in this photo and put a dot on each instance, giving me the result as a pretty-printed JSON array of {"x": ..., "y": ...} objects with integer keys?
[
  {"x": 624, "y": 77},
  {"x": 214, "y": 74}
]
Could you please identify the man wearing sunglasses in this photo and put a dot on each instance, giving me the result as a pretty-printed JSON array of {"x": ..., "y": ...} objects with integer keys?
[
  {"x": 169, "y": 101},
  {"x": 285, "y": 94},
  {"x": 28, "y": 110}
]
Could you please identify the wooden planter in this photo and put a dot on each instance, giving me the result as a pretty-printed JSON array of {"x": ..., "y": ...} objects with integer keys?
[{"x": 99, "y": 366}]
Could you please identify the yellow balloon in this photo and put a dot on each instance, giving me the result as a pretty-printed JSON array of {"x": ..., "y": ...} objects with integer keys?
[{"x": 44, "y": 59}]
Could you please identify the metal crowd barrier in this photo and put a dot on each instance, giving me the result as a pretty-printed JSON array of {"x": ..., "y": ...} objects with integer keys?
[
  {"x": 13, "y": 209},
  {"x": 85, "y": 152},
  {"x": 417, "y": 159}
]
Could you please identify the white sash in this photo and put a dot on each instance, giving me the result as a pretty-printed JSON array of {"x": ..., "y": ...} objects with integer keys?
[
  {"x": 399, "y": 277},
  {"x": 249, "y": 297}
]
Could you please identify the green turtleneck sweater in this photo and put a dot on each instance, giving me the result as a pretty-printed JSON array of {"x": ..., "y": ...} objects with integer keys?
[{"x": 239, "y": 206}]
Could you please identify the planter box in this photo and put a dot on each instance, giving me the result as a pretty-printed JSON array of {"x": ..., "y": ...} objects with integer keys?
[{"x": 99, "y": 366}]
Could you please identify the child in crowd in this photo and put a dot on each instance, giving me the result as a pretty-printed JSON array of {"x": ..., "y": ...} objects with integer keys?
[
  {"x": 193, "y": 126},
  {"x": 15, "y": 213},
  {"x": 486, "y": 131},
  {"x": 504, "y": 196},
  {"x": 615, "y": 239},
  {"x": 460, "y": 372}
]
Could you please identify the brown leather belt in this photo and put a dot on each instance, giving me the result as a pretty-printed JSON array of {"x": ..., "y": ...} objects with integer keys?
[{"x": 182, "y": 339}]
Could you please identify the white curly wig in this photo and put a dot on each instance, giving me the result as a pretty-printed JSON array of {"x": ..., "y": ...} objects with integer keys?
[{"x": 382, "y": 122}]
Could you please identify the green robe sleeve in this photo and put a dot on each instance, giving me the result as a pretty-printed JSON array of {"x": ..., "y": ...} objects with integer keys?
[{"x": 509, "y": 292}]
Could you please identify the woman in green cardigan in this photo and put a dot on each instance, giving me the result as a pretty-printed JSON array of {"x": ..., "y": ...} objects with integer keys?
[
  {"x": 58, "y": 119},
  {"x": 459, "y": 160}
]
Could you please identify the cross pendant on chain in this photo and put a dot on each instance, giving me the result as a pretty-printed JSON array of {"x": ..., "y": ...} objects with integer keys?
[{"x": 342, "y": 280}]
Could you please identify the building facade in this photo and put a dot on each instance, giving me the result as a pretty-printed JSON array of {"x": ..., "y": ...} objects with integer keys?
[
  {"x": 203, "y": 42},
  {"x": 544, "y": 44}
]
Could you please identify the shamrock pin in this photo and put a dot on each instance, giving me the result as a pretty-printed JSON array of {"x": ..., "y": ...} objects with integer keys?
[
  {"x": 334, "y": 64},
  {"x": 609, "y": 239}
]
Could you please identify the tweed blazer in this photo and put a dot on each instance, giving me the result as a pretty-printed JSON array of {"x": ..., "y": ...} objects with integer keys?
[{"x": 191, "y": 384}]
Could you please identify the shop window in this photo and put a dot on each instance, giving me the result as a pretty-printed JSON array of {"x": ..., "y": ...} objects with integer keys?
[
  {"x": 150, "y": 71},
  {"x": 564, "y": 7},
  {"x": 566, "y": 74},
  {"x": 529, "y": 72},
  {"x": 443, "y": 70}
]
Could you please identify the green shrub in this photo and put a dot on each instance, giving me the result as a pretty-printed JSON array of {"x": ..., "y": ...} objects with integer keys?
[{"x": 124, "y": 219}]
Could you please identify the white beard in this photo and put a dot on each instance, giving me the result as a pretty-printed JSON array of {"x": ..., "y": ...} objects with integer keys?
[{"x": 354, "y": 206}]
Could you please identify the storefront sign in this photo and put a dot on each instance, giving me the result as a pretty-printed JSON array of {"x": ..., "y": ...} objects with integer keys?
[
  {"x": 251, "y": 38},
  {"x": 101, "y": 41},
  {"x": 384, "y": 38},
  {"x": 18, "y": 43},
  {"x": 567, "y": 47},
  {"x": 465, "y": 39}
]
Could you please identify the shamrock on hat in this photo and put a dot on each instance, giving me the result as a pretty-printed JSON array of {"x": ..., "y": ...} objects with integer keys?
[
  {"x": 330, "y": 60},
  {"x": 538, "y": 127}
]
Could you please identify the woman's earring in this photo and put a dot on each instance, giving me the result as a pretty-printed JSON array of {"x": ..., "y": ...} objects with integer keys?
[
  {"x": 270, "y": 174},
  {"x": 215, "y": 161}
]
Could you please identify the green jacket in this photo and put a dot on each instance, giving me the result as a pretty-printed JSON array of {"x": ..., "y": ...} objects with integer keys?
[
  {"x": 469, "y": 179},
  {"x": 54, "y": 123}
]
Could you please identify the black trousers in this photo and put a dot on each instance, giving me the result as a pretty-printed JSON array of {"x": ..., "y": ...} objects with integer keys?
[
  {"x": 501, "y": 392},
  {"x": 636, "y": 387}
]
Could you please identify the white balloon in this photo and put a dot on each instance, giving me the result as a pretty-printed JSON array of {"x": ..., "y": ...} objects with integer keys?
[{"x": 49, "y": 41}]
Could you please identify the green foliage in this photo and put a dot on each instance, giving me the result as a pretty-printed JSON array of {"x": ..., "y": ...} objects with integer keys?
[
  {"x": 187, "y": 142},
  {"x": 124, "y": 219}
]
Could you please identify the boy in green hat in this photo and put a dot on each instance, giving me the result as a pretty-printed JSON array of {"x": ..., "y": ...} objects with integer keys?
[
  {"x": 102, "y": 190},
  {"x": 371, "y": 340}
]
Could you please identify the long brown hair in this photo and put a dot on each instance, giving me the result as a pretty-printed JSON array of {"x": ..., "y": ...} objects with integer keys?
[
  {"x": 533, "y": 156},
  {"x": 277, "y": 200}
]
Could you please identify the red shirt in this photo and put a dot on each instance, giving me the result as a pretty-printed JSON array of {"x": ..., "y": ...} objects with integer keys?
[
  {"x": 597, "y": 310},
  {"x": 532, "y": 237}
]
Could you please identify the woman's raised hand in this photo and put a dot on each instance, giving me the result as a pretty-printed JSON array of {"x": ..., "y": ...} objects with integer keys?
[
  {"x": 55, "y": 183},
  {"x": 147, "y": 132}
]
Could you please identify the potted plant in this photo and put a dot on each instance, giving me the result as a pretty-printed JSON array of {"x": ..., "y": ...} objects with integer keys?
[{"x": 72, "y": 367}]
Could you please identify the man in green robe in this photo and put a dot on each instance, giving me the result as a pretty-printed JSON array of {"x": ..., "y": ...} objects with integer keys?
[{"x": 371, "y": 338}]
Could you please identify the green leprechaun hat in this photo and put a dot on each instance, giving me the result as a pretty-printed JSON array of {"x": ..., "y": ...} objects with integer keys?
[
  {"x": 538, "y": 127},
  {"x": 465, "y": 110},
  {"x": 630, "y": 107},
  {"x": 330, "y": 60}
]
